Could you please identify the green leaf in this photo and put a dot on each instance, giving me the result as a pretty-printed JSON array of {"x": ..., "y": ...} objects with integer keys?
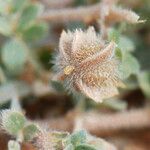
[
  {"x": 14, "y": 56},
  {"x": 100, "y": 144},
  {"x": 128, "y": 66},
  {"x": 2, "y": 75},
  {"x": 69, "y": 147},
  {"x": 10, "y": 6},
  {"x": 57, "y": 86},
  {"x": 28, "y": 16},
  {"x": 60, "y": 135},
  {"x": 85, "y": 147},
  {"x": 80, "y": 2},
  {"x": 118, "y": 53},
  {"x": 13, "y": 121},
  {"x": 3, "y": 5},
  {"x": 131, "y": 83},
  {"x": 78, "y": 137},
  {"x": 144, "y": 82},
  {"x": 17, "y": 4},
  {"x": 35, "y": 32},
  {"x": 115, "y": 104},
  {"x": 125, "y": 44},
  {"x": 5, "y": 27},
  {"x": 113, "y": 35},
  {"x": 13, "y": 145},
  {"x": 30, "y": 132}
]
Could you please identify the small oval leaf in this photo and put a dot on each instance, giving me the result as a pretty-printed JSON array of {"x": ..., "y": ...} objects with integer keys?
[{"x": 14, "y": 56}]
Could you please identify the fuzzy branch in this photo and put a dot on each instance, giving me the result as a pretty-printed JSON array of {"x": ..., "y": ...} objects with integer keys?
[
  {"x": 134, "y": 119},
  {"x": 90, "y": 13},
  {"x": 72, "y": 14},
  {"x": 56, "y": 3},
  {"x": 102, "y": 124}
]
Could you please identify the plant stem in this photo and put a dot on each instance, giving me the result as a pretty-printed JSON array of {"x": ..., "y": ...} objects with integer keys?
[{"x": 101, "y": 124}]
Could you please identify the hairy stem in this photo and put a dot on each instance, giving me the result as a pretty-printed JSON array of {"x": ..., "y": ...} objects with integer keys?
[
  {"x": 91, "y": 13},
  {"x": 56, "y": 3},
  {"x": 72, "y": 14},
  {"x": 101, "y": 124}
]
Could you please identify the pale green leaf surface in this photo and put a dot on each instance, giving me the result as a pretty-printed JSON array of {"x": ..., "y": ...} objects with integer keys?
[
  {"x": 5, "y": 27},
  {"x": 144, "y": 82},
  {"x": 30, "y": 132},
  {"x": 126, "y": 44},
  {"x": 13, "y": 121},
  {"x": 78, "y": 137},
  {"x": 35, "y": 32},
  {"x": 28, "y": 16},
  {"x": 115, "y": 104},
  {"x": 113, "y": 35},
  {"x": 14, "y": 56},
  {"x": 17, "y": 4},
  {"x": 128, "y": 66},
  {"x": 85, "y": 147},
  {"x": 69, "y": 147}
]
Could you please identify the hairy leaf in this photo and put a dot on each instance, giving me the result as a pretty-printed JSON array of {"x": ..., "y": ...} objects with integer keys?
[
  {"x": 35, "y": 32},
  {"x": 78, "y": 137},
  {"x": 13, "y": 121},
  {"x": 5, "y": 27},
  {"x": 85, "y": 147},
  {"x": 28, "y": 16},
  {"x": 30, "y": 131},
  {"x": 14, "y": 55},
  {"x": 144, "y": 82},
  {"x": 128, "y": 66}
]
